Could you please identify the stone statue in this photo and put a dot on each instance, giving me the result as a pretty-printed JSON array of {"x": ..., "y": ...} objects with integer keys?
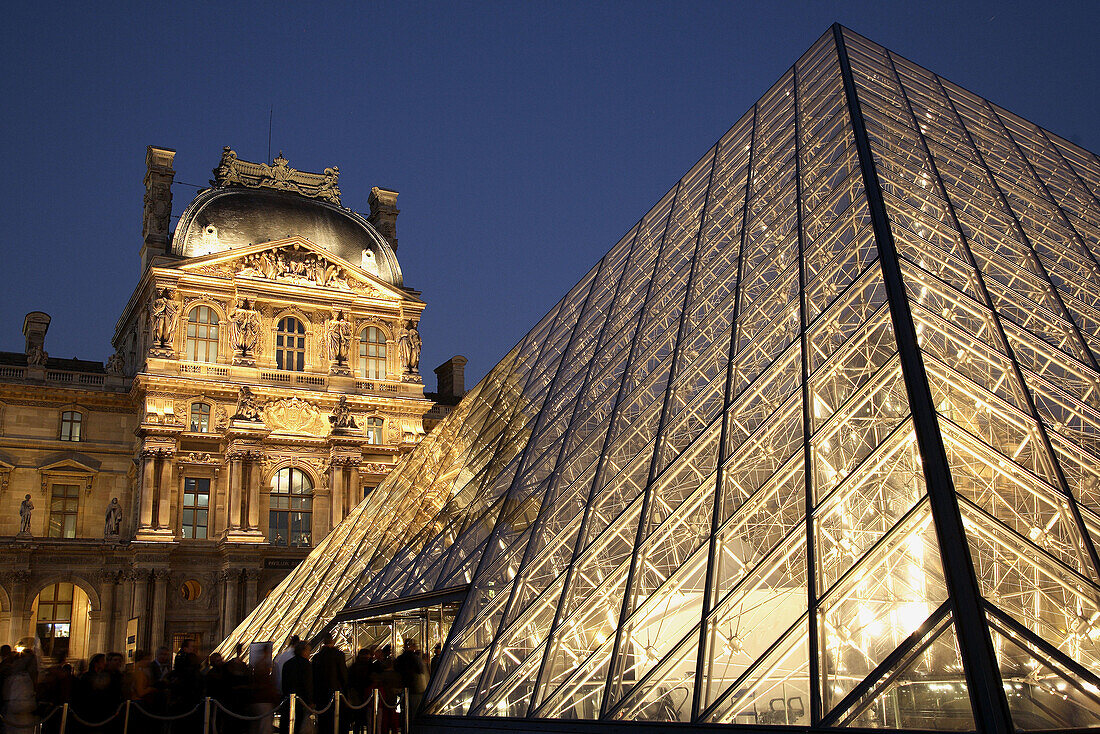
[
  {"x": 408, "y": 345},
  {"x": 226, "y": 172},
  {"x": 25, "y": 510},
  {"x": 116, "y": 364},
  {"x": 162, "y": 315},
  {"x": 36, "y": 356},
  {"x": 247, "y": 408},
  {"x": 339, "y": 339},
  {"x": 341, "y": 416},
  {"x": 246, "y": 330},
  {"x": 329, "y": 190},
  {"x": 112, "y": 521}
]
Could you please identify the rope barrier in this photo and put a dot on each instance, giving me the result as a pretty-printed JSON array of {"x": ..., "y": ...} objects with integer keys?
[
  {"x": 316, "y": 712},
  {"x": 245, "y": 717},
  {"x": 79, "y": 720},
  {"x": 352, "y": 706},
  {"x": 157, "y": 717},
  {"x": 339, "y": 701}
]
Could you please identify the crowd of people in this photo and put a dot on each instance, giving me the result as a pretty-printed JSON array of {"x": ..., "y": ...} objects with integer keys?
[{"x": 376, "y": 688}]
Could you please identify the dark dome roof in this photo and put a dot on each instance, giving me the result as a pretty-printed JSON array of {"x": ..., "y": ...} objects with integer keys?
[{"x": 223, "y": 219}]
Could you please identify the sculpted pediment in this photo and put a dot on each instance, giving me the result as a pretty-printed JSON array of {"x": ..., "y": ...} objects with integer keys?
[{"x": 294, "y": 260}]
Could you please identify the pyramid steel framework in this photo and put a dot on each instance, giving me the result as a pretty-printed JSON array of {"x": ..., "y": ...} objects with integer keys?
[{"x": 816, "y": 443}]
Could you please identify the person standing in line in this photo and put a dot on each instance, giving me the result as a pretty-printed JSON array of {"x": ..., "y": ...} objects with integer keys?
[
  {"x": 297, "y": 678},
  {"x": 410, "y": 665},
  {"x": 330, "y": 676},
  {"x": 280, "y": 660}
]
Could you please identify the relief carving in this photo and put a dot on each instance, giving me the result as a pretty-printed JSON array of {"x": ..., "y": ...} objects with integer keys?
[
  {"x": 294, "y": 415},
  {"x": 232, "y": 170},
  {"x": 292, "y": 264}
]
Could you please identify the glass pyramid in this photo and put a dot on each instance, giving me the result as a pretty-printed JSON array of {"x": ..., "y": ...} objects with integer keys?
[{"x": 816, "y": 443}]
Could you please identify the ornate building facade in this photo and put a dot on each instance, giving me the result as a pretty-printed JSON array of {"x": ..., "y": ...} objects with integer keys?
[{"x": 265, "y": 379}]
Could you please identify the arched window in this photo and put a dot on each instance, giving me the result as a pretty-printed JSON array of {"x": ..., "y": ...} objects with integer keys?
[
  {"x": 374, "y": 431},
  {"x": 290, "y": 345},
  {"x": 290, "y": 522},
  {"x": 72, "y": 422},
  {"x": 54, "y": 619},
  {"x": 372, "y": 354},
  {"x": 202, "y": 335},
  {"x": 200, "y": 417}
]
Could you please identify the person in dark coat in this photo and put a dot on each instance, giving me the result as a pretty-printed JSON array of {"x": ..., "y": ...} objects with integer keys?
[
  {"x": 297, "y": 678},
  {"x": 410, "y": 665},
  {"x": 330, "y": 670},
  {"x": 186, "y": 688}
]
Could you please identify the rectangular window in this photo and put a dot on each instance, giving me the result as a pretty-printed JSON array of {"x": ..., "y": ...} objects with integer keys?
[
  {"x": 367, "y": 489},
  {"x": 374, "y": 431},
  {"x": 196, "y": 507},
  {"x": 71, "y": 422},
  {"x": 64, "y": 507}
]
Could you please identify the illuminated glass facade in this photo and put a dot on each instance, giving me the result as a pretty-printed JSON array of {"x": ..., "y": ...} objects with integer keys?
[{"x": 817, "y": 443}]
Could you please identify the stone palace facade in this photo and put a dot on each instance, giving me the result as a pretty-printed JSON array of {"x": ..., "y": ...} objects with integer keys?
[{"x": 265, "y": 379}]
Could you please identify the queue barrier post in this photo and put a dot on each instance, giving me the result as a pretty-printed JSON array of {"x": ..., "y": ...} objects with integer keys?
[
  {"x": 126, "y": 719},
  {"x": 293, "y": 713},
  {"x": 336, "y": 713},
  {"x": 64, "y": 717},
  {"x": 206, "y": 716}
]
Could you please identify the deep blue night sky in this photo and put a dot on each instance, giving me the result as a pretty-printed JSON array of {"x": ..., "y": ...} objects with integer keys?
[{"x": 524, "y": 137}]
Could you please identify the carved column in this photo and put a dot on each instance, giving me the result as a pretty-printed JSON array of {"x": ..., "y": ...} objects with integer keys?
[
  {"x": 125, "y": 598},
  {"x": 234, "y": 503},
  {"x": 140, "y": 582},
  {"x": 345, "y": 456},
  {"x": 19, "y": 624},
  {"x": 164, "y": 495},
  {"x": 229, "y": 597},
  {"x": 245, "y": 454},
  {"x": 102, "y": 633},
  {"x": 251, "y": 580},
  {"x": 336, "y": 484},
  {"x": 255, "y": 473},
  {"x": 160, "y": 603},
  {"x": 148, "y": 486}
]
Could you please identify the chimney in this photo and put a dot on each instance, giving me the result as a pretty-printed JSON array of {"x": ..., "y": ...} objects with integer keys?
[
  {"x": 35, "y": 325},
  {"x": 383, "y": 214},
  {"x": 451, "y": 379},
  {"x": 157, "y": 214}
]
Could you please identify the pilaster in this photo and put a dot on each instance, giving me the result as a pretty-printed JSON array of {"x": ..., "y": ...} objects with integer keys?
[
  {"x": 244, "y": 454},
  {"x": 160, "y": 603}
]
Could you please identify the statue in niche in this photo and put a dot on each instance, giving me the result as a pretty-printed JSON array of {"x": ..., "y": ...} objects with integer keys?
[
  {"x": 116, "y": 364},
  {"x": 339, "y": 340},
  {"x": 341, "y": 416},
  {"x": 25, "y": 510},
  {"x": 247, "y": 407},
  {"x": 162, "y": 315},
  {"x": 246, "y": 330},
  {"x": 408, "y": 347},
  {"x": 112, "y": 521},
  {"x": 37, "y": 356}
]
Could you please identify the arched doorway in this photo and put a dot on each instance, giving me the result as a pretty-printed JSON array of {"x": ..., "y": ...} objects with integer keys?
[{"x": 62, "y": 621}]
